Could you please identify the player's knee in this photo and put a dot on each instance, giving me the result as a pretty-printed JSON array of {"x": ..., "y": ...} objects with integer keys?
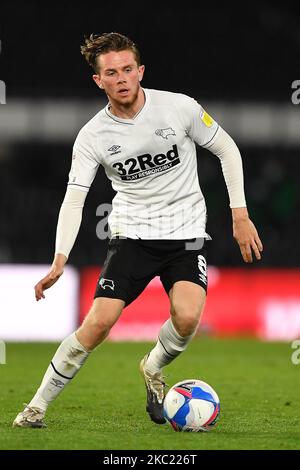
[
  {"x": 185, "y": 319},
  {"x": 101, "y": 326},
  {"x": 97, "y": 326}
]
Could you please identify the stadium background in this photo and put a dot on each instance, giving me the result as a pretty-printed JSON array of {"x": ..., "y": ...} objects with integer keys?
[{"x": 240, "y": 64}]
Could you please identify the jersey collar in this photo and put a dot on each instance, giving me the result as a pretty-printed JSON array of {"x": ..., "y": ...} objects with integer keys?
[{"x": 134, "y": 119}]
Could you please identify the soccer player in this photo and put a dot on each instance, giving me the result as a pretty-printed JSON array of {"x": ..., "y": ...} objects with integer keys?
[{"x": 145, "y": 140}]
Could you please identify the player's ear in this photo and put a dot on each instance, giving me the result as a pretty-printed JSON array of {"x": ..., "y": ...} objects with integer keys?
[
  {"x": 141, "y": 72},
  {"x": 97, "y": 80}
]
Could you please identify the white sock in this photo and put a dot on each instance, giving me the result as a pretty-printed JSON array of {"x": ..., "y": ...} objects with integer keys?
[
  {"x": 66, "y": 362},
  {"x": 169, "y": 345}
]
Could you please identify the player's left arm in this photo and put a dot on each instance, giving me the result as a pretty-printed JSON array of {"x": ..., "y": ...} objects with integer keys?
[
  {"x": 207, "y": 133},
  {"x": 244, "y": 231}
]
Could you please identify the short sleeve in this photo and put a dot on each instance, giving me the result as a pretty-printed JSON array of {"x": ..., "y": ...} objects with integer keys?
[
  {"x": 84, "y": 163},
  {"x": 199, "y": 125}
]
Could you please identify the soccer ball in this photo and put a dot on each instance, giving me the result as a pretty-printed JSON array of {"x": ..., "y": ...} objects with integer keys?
[{"x": 192, "y": 406}]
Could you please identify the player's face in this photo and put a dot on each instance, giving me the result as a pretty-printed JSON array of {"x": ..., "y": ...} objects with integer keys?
[{"x": 119, "y": 76}]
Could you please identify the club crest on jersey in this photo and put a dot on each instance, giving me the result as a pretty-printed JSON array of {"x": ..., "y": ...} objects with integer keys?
[
  {"x": 146, "y": 164},
  {"x": 107, "y": 283},
  {"x": 114, "y": 149},
  {"x": 164, "y": 133}
]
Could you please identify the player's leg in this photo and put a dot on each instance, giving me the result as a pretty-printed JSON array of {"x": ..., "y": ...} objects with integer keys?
[
  {"x": 184, "y": 278},
  {"x": 123, "y": 277},
  {"x": 187, "y": 303},
  {"x": 99, "y": 321},
  {"x": 70, "y": 357}
]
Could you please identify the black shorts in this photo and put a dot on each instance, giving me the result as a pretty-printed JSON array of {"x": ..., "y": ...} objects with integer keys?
[{"x": 131, "y": 264}]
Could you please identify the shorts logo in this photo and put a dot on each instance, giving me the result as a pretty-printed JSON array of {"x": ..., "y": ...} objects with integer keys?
[
  {"x": 147, "y": 164},
  {"x": 107, "y": 283},
  {"x": 164, "y": 133},
  {"x": 202, "y": 268}
]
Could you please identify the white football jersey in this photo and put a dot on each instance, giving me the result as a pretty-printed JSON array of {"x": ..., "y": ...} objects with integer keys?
[{"x": 151, "y": 162}]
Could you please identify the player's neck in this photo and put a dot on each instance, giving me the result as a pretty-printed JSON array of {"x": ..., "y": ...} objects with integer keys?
[{"x": 128, "y": 111}]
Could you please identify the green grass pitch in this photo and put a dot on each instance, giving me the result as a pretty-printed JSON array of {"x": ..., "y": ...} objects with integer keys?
[{"x": 104, "y": 406}]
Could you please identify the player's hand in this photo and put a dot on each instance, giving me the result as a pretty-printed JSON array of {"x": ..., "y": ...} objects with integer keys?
[
  {"x": 246, "y": 236},
  {"x": 47, "y": 281},
  {"x": 54, "y": 274}
]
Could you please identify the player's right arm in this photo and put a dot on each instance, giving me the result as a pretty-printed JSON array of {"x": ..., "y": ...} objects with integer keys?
[
  {"x": 83, "y": 170},
  {"x": 69, "y": 221}
]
